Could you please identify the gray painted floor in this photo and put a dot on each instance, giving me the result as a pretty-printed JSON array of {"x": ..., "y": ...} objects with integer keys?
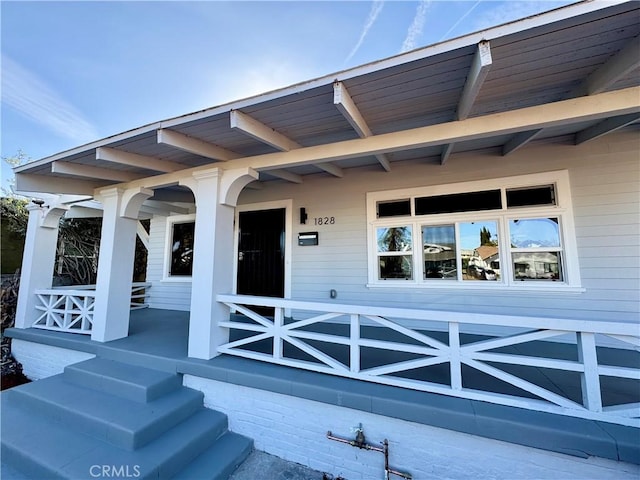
[{"x": 259, "y": 466}]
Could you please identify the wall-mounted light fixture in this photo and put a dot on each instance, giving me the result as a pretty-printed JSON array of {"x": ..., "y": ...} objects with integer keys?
[{"x": 303, "y": 215}]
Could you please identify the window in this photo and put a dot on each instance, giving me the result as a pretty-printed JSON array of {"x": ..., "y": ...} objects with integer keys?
[
  {"x": 179, "y": 251},
  {"x": 395, "y": 252},
  {"x": 514, "y": 232}
]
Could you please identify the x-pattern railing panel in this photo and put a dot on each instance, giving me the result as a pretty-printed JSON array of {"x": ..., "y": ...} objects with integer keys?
[
  {"x": 65, "y": 310},
  {"x": 345, "y": 326},
  {"x": 71, "y": 309}
]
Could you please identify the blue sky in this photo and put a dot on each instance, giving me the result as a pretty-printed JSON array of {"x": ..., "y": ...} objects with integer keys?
[{"x": 74, "y": 72}]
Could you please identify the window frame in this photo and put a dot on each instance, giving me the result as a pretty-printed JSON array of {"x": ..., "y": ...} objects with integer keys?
[
  {"x": 563, "y": 210},
  {"x": 171, "y": 221}
]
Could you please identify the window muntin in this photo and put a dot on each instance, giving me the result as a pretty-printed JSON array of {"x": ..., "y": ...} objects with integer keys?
[
  {"x": 181, "y": 263},
  {"x": 547, "y": 260},
  {"x": 395, "y": 252}
]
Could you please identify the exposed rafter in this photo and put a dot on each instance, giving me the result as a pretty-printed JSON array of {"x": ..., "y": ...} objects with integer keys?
[
  {"x": 264, "y": 133},
  {"x": 194, "y": 145},
  {"x": 519, "y": 140},
  {"x": 607, "y": 126},
  {"x": 32, "y": 182},
  {"x": 446, "y": 151},
  {"x": 88, "y": 171},
  {"x": 166, "y": 206},
  {"x": 601, "y": 106},
  {"x": 261, "y": 132},
  {"x": 564, "y": 112},
  {"x": 478, "y": 72},
  {"x": 284, "y": 175},
  {"x": 168, "y": 195},
  {"x": 345, "y": 104},
  {"x": 135, "y": 160},
  {"x": 623, "y": 62},
  {"x": 165, "y": 212},
  {"x": 328, "y": 167}
]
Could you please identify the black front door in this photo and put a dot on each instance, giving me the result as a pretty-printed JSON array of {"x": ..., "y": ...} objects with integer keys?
[{"x": 261, "y": 253}]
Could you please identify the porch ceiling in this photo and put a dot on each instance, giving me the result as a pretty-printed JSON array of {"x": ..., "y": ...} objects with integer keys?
[{"x": 578, "y": 51}]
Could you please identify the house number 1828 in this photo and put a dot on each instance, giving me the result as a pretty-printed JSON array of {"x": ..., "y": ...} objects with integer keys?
[{"x": 324, "y": 220}]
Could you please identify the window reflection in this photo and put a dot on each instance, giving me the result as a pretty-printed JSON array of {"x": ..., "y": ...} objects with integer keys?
[
  {"x": 394, "y": 239},
  {"x": 399, "y": 266},
  {"x": 537, "y": 266},
  {"x": 534, "y": 233},
  {"x": 395, "y": 258},
  {"x": 479, "y": 251},
  {"x": 439, "y": 251},
  {"x": 182, "y": 249}
]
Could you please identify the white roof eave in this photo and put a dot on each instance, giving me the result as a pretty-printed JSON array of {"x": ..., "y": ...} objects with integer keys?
[{"x": 559, "y": 14}]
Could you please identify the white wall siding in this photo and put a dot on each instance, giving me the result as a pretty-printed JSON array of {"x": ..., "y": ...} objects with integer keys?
[
  {"x": 42, "y": 361},
  {"x": 605, "y": 184},
  {"x": 164, "y": 294},
  {"x": 604, "y": 177},
  {"x": 295, "y": 429}
]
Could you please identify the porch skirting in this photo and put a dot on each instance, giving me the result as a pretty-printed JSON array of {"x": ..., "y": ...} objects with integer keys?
[
  {"x": 288, "y": 413},
  {"x": 295, "y": 429},
  {"x": 41, "y": 361}
]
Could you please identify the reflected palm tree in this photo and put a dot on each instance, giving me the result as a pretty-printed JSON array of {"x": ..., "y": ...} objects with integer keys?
[{"x": 395, "y": 239}]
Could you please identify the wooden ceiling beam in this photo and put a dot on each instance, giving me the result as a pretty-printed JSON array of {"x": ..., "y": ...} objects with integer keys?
[
  {"x": 114, "y": 155},
  {"x": 331, "y": 168},
  {"x": 519, "y": 140},
  {"x": 194, "y": 145},
  {"x": 478, "y": 72},
  {"x": 564, "y": 112},
  {"x": 261, "y": 132},
  {"x": 166, "y": 206},
  {"x": 607, "y": 126},
  {"x": 284, "y": 175},
  {"x": 88, "y": 171},
  {"x": 32, "y": 182},
  {"x": 345, "y": 105},
  {"x": 623, "y": 62},
  {"x": 480, "y": 67}
]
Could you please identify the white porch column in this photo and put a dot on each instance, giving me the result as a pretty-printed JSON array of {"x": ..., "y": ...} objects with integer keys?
[
  {"x": 216, "y": 192},
  {"x": 38, "y": 260},
  {"x": 115, "y": 263}
]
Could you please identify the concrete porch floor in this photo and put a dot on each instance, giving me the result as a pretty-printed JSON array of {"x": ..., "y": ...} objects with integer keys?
[{"x": 158, "y": 339}]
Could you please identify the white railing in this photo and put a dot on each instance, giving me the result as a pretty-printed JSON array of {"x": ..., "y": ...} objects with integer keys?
[
  {"x": 371, "y": 344},
  {"x": 70, "y": 309}
]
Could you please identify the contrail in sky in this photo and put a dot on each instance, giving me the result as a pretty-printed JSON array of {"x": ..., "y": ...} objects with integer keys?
[
  {"x": 461, "y": 19},
  {"x": 376, "y": 7},
  {"x": 30, "y": 96},
  {"x": 415, "y": 30}
]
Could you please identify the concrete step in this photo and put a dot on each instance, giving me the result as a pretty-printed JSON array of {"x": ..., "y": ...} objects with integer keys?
[
  {"x": 43, "y": 448},
  {"x": 220, "y": 460},
  {"x": 127, "y": 381},
  {"x": 110, "y": 418}
]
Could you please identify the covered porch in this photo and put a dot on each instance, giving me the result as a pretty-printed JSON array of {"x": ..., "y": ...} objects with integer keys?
[{"x": 534, "y": 399}]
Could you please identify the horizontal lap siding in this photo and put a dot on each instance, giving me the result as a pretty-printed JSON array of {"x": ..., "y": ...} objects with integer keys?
[
  {"x": 163, "y": 294},
  {"x": 604, "y": 177}
]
